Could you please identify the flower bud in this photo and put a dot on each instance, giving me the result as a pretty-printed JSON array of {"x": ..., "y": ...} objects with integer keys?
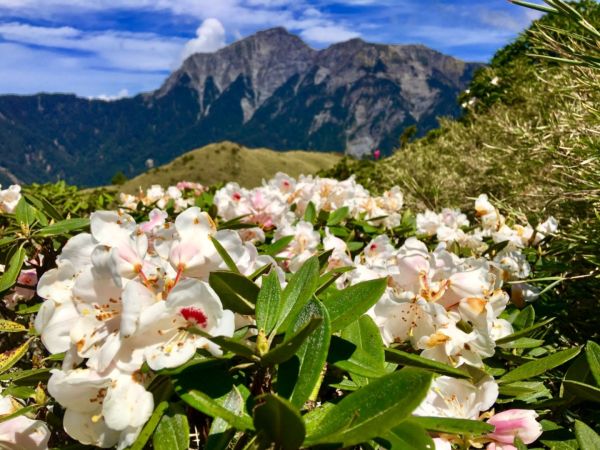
[{"x": 513, "y": 423}]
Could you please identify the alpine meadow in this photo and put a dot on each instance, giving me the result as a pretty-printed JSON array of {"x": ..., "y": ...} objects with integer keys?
[{"x": 363, "y": 246}]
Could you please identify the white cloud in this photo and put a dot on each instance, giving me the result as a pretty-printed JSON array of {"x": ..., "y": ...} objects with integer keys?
[
  {"x": 111, "y": 49},
  {"x": 210, "y": 36},
  {"x": 328, "y": 34},
  {"x": 20, "y": 74}
]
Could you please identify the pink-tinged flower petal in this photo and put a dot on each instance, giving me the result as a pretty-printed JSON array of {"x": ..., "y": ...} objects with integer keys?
[{"x": 515, "y": 422}]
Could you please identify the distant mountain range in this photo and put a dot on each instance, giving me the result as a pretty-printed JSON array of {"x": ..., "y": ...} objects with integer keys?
[{"x": 267, "y": 90}]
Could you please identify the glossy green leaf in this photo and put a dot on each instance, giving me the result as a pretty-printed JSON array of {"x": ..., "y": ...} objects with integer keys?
[
  {"x": 221, "y": 433},
  {"x": 12, "y": 271},
  {"x": 592, "y": 354},
  {"x": 278, "y": 422},
  {"x": 374, "y": 409},
  {"x": 360, "y": 349},
  {"x": 412, "y": 360},
  {"x": 24, "y": 212},
  {"x": 225, "y": 256},
  {"x": 11, "y": 357},
  {"x": 539, "y": 366},
  {"x": 349, "y": 304},
  {"x": 149, "y": 427},
  {"x": 525, "y": 318},
  {"x": 409, "y": 435},
  {"x": 236, "y": 292},
  {"x": 267, "y": 303},
  {"x": 582, "y": 390},
  {"x": 172, "y": 432},
  {"x": 211, "y": 396},
  {"x": 524, "y": 343},
  {"x": 299, "y": 376},
  {"x": 310, "y": 214},
  {"x": 64, "y": 226},
  {"x": 586, "y": 437},
  {"x": 338, "y": 216},
  {"x": 453, "y": 426},
  {"x": 313, "y": 419},
  {"x": 290, "y": 346},
  {"x": 298, "y": 292},
  {"x": 8, "y": 326},
  {"x": 277, "y": 246}
]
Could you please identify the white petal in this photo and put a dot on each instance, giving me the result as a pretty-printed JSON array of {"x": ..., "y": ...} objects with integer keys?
[{"x": 82, "y": 428}]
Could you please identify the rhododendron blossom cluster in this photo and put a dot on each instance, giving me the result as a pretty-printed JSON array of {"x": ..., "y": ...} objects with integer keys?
[{"x": 131, "y": 295}]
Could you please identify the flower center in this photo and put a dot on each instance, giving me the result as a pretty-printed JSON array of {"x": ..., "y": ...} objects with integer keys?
[{"x": 194, "y": 315}]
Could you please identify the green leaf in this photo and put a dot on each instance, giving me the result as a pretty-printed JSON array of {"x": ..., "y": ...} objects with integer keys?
[
  {"x": 212, "y": 395},
  {"x": 27, "y": 376},
  {"x": 526, "y": 391},
  {"x": 582, "y": 390},
  {"x": 524, "y": 343},
  {"x": 310, "y": 215},
  {"x": 409, "y": 359},
  {"x": 11, "y": 357},
  {"x": 150, "y": 426},
  {"x": 278, "y": 422},
  {"x": 349, "y": 304},
  {"x": 268, "y": 302},
  {"x": 592, "y": 354},
  {"x": 525, "y": 318},
  {"x": 172, "y": 432},
  {"x": 374, "y": 409},
  {"x": 409, "y": 435},
  {"x": 533, "y": 368},
  {"x": 11, "y": 273},
  {"x": 299, "y": 376},
  {"x": 8, "y": 326},
  {"x": 298, "y": 292},
  {"x": 525, "y": 332},
  {"x": 586, "y": 437},
  {"x": 453, "y": 426},
  {"x": 225, "y": 256},
  {"x": 290, "y": 346},
  {"x": 338, "y": 216},
  {"x": 221, "y": 433},
  {"x": 313, "y": 418},
  {"x": 64, "y": 226},
  {"x": 236, "y": 292},
  {"x": 360, "y": 350},
  {"x": 24, "y": 213},
  {"x": 277, "y": 246}
]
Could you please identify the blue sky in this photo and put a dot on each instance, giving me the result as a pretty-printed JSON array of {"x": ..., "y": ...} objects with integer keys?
[{"x": 112, "y": 48}]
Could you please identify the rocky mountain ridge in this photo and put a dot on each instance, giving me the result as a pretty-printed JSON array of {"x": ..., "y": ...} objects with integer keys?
[{"x": 267, "y": 90}]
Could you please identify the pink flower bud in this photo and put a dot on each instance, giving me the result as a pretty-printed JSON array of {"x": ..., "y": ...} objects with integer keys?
[
  {"x": 377, "y": 154},
  {"x": 513, "y": 423}
]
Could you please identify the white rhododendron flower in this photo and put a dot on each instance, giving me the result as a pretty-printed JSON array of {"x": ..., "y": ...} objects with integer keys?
[
  {"x": 9, "y": 198},
  {"x": 457, "y": 398},
  {"x": 21, "y": 432}
]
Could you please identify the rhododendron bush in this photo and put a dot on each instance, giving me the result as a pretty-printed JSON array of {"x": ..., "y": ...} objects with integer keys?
[{"x": 302, "y": 313}]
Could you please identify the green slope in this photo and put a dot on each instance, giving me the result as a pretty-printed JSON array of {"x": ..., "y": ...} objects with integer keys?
[{"x": 226, "y": 161}]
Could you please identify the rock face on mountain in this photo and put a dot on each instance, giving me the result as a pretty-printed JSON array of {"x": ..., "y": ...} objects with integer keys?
[{"x": 270, "y": 90}]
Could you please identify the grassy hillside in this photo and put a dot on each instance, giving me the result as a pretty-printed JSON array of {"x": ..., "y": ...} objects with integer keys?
[{"x": 226, "y": 161}]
